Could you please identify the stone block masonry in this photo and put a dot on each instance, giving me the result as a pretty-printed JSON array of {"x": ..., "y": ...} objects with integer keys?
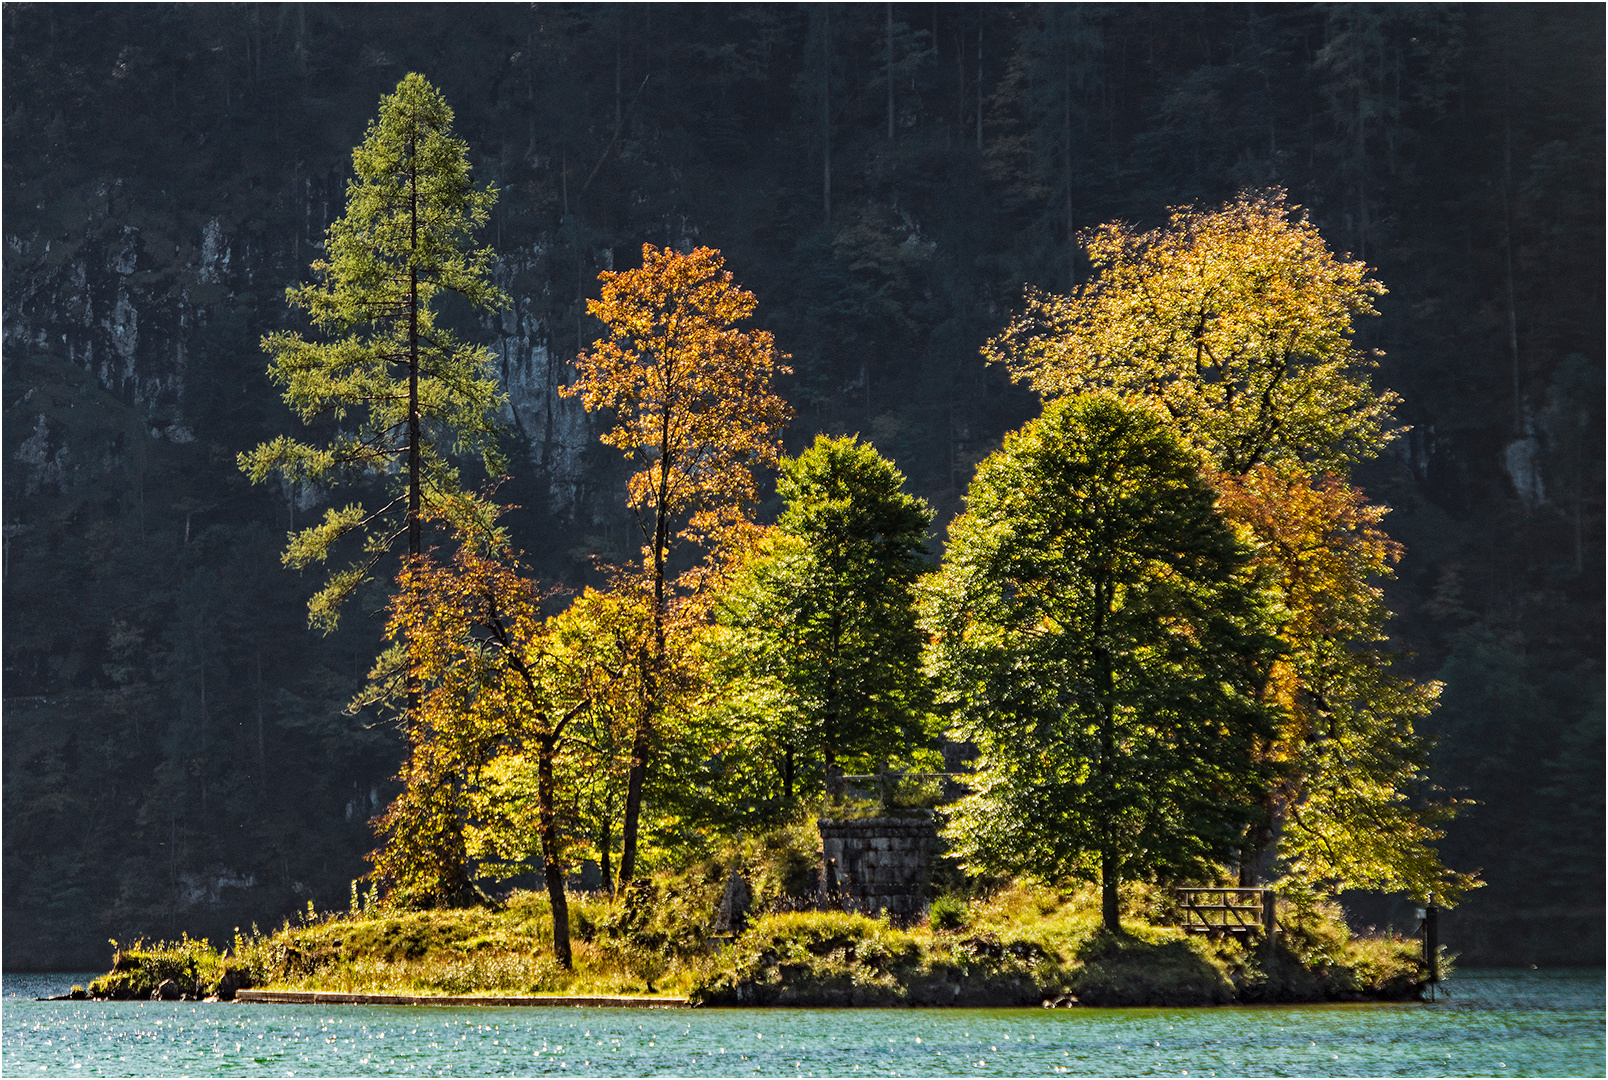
[{"x": 878, "y": 864}]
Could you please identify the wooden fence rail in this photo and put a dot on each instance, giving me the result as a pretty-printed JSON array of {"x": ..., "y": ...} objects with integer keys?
[{"x": 1219, "y": 911}]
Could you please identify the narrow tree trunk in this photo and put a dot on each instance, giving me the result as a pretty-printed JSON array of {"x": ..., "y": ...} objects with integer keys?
[
  {"x": 1104, "y": 599},
  {"x": 826, "y": 114},
  {"x": 633, "y": 803},
  {"x": 890, "y": 70},
  {"x": 551, "y": 853},
  {"x": 413, "y": 368},
  {"x": 1108, "y": 892},
  {"x": 413, "y": 400},
  {"x": 787, "y": 764},
  {"x": 642, "y": 741},
  {"x": 834, "y": 775},
  {"x": 604, "y": 843},
  {"x": 1257, "y": 838}
]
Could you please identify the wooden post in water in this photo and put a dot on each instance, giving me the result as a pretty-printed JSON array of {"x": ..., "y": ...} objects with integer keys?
[{"x": 1270, "y": 923}]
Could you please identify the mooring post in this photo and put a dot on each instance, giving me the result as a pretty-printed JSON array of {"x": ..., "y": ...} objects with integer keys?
[
  {"x": 1432, "y": 943},
  {"x": 1270, "y": 922}
]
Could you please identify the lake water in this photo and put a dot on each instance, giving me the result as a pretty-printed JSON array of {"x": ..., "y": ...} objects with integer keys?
[{"x": 1487, "y": 1023}]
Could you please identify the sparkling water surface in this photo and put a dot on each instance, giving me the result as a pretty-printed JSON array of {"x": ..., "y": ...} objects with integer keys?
[{"x": 1487, "y": 1023}]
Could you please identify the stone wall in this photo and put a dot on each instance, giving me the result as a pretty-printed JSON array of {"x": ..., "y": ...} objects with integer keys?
[{"x": 878, "y": 864}]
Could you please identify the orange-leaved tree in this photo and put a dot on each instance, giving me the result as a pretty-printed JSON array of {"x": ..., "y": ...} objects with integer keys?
[
  {"x": 1344, "y": 814},
  {"x": 497, "y": 685},
  {"x": 694, "y": 412}
]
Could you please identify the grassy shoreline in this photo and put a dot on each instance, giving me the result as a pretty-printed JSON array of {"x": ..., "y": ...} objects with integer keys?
[{"x": 1017, "y": 945}]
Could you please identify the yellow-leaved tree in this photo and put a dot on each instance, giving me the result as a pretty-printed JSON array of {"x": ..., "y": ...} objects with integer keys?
[
  {"x": 693, "y": 410},
  {"x": 1237, "y": 322},
  {"x": 1350, "y": 761}
]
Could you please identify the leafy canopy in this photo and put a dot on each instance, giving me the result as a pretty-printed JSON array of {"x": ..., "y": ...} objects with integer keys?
[
  {"x": 388, "y": 383},
  {"x": 1097, "y": 633},
  {"x": 694, "y": 412},
  {"x": 1353, "y": 771},
  {"x": 822, "y": 619},
  {"x": 690, "y": 393},
  {"x": 1236, "y": 321}
]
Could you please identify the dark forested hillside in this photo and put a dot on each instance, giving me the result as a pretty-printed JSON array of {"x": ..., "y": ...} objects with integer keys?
[{"x": 886, "y": 179}]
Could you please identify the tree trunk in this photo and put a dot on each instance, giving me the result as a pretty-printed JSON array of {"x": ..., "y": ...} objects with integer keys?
[
  {"x": 633, "y": 804},
  {"x": 1104, "y": 600},
  {"x": 604, "y": 843},
  {"x": 413, "y": 365},
  {"x": 787, "y": 761},
  {"x": 826, "y": 114},
  {"x": 551, "y": 854},
  {"x": 641, "y": 743},
  {"x": 413, "y": 401},
  {"x": 1108, "y": 892},
  {"x": 834, "y": 775}
]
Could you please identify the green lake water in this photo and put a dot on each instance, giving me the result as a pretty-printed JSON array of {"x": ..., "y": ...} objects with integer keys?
[{"x": 1486, "y": 1023}]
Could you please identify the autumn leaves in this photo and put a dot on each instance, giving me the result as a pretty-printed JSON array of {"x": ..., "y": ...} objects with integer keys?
[{"x": 1157, "y": 620}]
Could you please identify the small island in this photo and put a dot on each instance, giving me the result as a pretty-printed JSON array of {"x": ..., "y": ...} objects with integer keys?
[
  {"x": 721, "y": 934},
  {"x": 1150, "y": 657}
]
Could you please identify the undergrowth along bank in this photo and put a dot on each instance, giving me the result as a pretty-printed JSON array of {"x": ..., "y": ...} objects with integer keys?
[{"x": 1013, "y": 945}]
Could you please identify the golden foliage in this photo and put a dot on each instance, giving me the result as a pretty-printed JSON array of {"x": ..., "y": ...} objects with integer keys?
[
  {"x": 1237, "y": 322},
  {"x": 1351, "y": 761},
  {"x": 690, "y": 393}
]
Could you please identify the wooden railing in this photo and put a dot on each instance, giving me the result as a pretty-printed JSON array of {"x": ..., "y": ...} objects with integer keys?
[{"x": 1238, "y": 911}]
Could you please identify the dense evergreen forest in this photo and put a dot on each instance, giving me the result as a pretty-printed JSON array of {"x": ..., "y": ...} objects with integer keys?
[{"x": 885, "y": 179}]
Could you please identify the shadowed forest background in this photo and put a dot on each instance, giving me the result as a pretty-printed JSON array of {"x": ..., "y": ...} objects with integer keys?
[{"x": 885, "y": 180}]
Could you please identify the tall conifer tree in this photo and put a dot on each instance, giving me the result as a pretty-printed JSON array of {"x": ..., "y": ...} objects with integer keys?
[{"x": 397, "y": 391}]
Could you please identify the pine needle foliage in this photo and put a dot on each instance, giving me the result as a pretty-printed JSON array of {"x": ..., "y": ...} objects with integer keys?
[{"x": 395, "y": 393}]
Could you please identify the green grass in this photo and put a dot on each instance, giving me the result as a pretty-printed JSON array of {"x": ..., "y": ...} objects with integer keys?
[{"x": 1014, "y": 944}]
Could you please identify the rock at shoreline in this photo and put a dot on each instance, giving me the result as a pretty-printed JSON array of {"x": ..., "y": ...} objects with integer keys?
[
  {"x": 732, "y": 917},
  {"x": 234, "y": 978}
]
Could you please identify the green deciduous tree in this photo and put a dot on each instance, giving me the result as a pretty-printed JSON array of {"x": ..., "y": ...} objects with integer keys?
[
  {"x": 1236, "y": 324},
  {"x": 1098, "y": 634},
  {"x": 823, "y": 616},
  {"x": 398, "y": 392}
]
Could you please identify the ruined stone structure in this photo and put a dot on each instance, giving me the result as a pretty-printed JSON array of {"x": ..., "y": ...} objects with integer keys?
[{"x": 878, "y": 864}]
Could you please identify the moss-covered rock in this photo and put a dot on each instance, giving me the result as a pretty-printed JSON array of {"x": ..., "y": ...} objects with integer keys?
[{"x": 192, "y": 967}]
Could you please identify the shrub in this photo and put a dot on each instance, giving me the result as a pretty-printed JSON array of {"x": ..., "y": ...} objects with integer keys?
[
  {"x": 947, "y": 913},
  {"x": 137, "y": 971}
]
